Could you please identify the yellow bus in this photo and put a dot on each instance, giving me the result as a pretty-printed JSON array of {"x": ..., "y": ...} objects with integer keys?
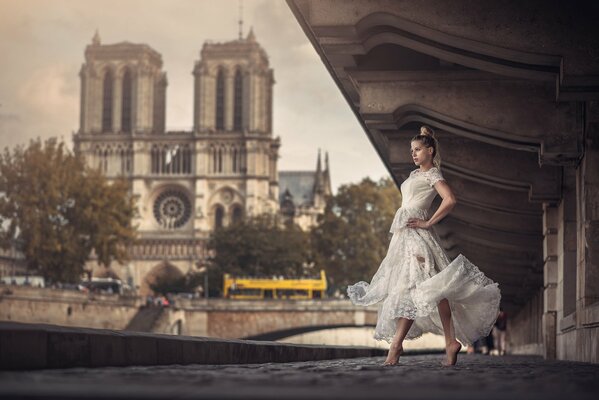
[{"x": 272, "y": 288}]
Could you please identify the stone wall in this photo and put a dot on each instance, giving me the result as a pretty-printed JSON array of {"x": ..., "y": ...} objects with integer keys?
[
  {"x": 66, "y": 307},
  {"x": 221, "y": 318},
  {"x": 525, "y": 330}
]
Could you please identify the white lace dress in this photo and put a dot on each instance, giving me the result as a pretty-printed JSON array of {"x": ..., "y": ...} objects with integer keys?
[{"x": 416, "y": 274}]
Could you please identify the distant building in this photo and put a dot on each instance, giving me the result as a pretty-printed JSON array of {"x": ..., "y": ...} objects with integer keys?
[
  {"x": 12, "y": 262},
  {"x": 188, "y": 183},
  {"x": 303, "y": 194}
]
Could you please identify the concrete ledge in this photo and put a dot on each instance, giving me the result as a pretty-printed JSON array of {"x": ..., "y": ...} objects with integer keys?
[{"x": 39, "y": 346}]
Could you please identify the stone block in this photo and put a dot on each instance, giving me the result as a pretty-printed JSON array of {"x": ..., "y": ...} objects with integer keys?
[
  {"x": 23, "y": 349},
  {"x": 588, "y": 345},
  {"x": 549, "y": 245},
  {"x": 549, "y": 335},
  {"x": 549, "y": 298},
  {"x": 550, "y": 216},
  {"x": 169, "y": 351},
  {"x": 550, "y": 272},
  {"x": 107, "y": 349},
  {"x": 195, "y": 352},
  {"x": 68, "y": 348},
  {"x": 141, "y": 350}
]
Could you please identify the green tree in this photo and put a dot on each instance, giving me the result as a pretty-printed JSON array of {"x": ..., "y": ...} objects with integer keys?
[
  {"x": 185, "y": 284},
  {"x": 352, "y": 236},
  {"x": 257, "y": 246},
  {"x": 60, "y": 210}
]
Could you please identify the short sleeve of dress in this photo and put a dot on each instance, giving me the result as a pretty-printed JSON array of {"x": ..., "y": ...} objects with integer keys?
[{"x": 433, "y": 176}]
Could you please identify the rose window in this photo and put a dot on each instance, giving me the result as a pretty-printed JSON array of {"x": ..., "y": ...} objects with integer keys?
[{"x": 172, "y": 209}]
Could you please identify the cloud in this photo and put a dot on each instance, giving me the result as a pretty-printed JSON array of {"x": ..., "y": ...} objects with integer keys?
[{"x": 50, "y": 91}]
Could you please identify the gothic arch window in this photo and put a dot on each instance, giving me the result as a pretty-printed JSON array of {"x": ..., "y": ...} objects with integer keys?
[
  {"x": 171, "y": 159},
  {"x": 155, "y": 155},
  {"x": 106, "y": 159},
  {"x": 237, "y": 215},
  {"x": 214, "y": 159},
  {"x": 164, "y": 165},
  {"x": 186, "y": 168},
  {"x": 235, "y": 161},
  {"x": 243, "y": 160},
  {"x": 176, "y": 159},
  {"x": 127, "y": 100},
  {"x": 97, "y": 157},
  {"x": 220, "y": 160},
  {"x": 120, "y": 156},
  {"x": 220, "y": 100},
  {"x": 129, "y": 160},
  {"x": 238, "y": 107},
  {"x": 107, "y": 102},
  {"x": 219, "y": 216}
]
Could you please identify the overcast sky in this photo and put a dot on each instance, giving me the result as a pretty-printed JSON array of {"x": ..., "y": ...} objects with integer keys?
[{"x": 42, "y": 46}]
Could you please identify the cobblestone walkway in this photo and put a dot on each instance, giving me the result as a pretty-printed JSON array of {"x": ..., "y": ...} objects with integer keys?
[{"x": 416, "y": 377}]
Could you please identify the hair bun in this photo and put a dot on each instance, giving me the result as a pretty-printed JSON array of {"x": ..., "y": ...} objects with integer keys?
[{"x": 427, "y": 131}]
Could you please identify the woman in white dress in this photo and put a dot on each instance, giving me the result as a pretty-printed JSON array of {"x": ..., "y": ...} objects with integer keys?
[{"x": 417, "y": 288}]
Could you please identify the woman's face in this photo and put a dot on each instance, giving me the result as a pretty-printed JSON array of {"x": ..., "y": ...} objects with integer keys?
[{"x": 421, "y": 154}]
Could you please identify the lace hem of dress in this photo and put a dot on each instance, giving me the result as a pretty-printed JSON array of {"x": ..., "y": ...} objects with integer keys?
[{"x": 403, "y": 214}]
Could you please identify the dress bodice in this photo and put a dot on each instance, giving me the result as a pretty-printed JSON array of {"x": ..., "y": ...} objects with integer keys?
[
  {"x": 417, "y": 194},
  {"x": 417, "y": 190}
]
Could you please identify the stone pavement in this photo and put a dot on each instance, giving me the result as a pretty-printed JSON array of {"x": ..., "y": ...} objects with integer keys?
[{"x": 416, "y": 377}]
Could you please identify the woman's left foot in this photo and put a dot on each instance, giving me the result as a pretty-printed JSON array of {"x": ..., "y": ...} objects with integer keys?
[
  {"x": 393, "y": 356},
  {"x": 452, "y": 351}
]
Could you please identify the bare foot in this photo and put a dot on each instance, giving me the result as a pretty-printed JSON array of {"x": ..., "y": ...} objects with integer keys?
[
  {"x": 452, "y": 351},
  {"x": 393, "y": 356}
]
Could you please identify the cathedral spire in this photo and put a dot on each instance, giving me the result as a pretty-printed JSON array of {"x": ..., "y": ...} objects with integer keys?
[
  {"x": 240, "y": 20},
  {"x": 96, "y": 39},
  {"x": 251, "y": 37},
  {"x": 318, "y": 164},
  {"x": 327, "y": 176}
]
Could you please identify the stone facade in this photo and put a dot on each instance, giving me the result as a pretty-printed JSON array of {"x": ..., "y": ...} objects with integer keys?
[
  {"x": 303, "y": 194},
  {"x": 186, "y": 183}
]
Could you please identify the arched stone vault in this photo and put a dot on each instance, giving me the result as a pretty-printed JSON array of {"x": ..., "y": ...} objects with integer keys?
[{"x": 513, "y": 100}]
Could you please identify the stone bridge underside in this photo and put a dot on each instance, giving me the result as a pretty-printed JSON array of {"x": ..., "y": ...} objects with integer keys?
[{"x": 511, "y": 89}]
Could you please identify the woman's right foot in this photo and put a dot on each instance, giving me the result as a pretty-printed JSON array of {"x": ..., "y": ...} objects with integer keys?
[
  {"x": 452, "y": 351},
  {"x": 393, "y": 355}
]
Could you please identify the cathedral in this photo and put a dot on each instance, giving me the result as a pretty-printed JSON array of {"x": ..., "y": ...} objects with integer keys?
[{"x": 187, "y": 183}]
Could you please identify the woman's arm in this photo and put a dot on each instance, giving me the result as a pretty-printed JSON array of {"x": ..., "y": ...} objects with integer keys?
[{"x": 449, "y": 201}]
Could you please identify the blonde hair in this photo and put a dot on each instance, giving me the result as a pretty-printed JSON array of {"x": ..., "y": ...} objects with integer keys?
[{"x": 427, "y": 137}]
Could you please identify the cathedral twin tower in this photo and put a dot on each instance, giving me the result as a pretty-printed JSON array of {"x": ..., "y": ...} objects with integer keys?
[
  {"x": 188, "y": 183},
  {"x": 226, "y": 166}
]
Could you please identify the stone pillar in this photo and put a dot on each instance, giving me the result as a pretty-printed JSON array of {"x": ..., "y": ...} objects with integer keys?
[
  {"x": 96, "y": 98},
  {"x": 207, "y": 102},
  {"x": 245, "y": 112},
  {"x": 270, "y": 82},
  {"x": 83, "y": 112},
  {"x": 198, "y": 103},
  {"x": 253, "y": 104},
  {"x": 550, "y": 223},
  {"x": 141, "y": 163},
  {"x": 588, "y": 247},
  {"x": 144, "y": 100},
  {"x": 159, "y": 124},
  {"x": 117, "y": 102},
  {"x": 229, "y": 99},
  {"x": 566, "y": 267},
  {"x": 259, "y": 102}
]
